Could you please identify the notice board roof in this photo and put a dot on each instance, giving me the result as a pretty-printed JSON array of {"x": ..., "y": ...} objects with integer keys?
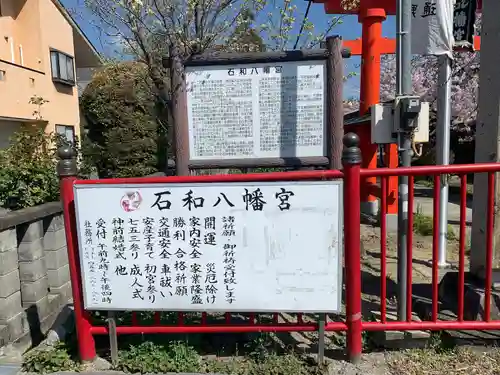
[{"x": 224, "y": 58}]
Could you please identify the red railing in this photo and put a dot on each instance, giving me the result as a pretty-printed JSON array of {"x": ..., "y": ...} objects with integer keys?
[
  {"x": 352, "y": 174},
  {"x": 436, "y": 172}
]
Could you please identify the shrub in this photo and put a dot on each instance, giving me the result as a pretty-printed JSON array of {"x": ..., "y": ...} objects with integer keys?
[
  {"x": 46, "y": 361},
  {"x": 149, "y": 357},
  {"x": 28, "y": 170},
  {"x": 121, "y": 135},
  {"x": 424, "y": 225}
]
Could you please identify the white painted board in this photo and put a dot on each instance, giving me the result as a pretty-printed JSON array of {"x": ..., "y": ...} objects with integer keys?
[
  {"x": 234, "y": 255},
  {"x": 257, "y": 110}
]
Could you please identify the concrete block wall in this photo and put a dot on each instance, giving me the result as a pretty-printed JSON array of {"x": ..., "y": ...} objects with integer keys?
[{"x": 34, "y": 272}]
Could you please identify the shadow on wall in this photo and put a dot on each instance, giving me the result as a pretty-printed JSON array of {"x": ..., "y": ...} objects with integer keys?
[
  {"x": 7, "y": 130},
  {"x": 63, "y": 89}
]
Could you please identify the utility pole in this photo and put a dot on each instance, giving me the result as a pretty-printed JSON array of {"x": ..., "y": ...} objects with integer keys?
[
  {"x": 487, "y": 140},
  {"x": 443, "y": 149},
  {"x": 335, "y": 110},
  {"x": 403, "y": 88}
]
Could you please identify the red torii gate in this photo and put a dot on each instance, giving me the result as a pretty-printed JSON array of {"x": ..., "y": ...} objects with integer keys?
[{"x": 371, "y": 14}]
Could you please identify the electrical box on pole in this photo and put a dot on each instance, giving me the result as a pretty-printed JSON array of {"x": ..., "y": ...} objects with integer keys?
[{"x": 405, "y": 114}]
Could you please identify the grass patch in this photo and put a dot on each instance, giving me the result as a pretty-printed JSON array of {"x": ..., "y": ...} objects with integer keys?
[
  {"x": 442, "y": 356},
  {"x": 457, "y": 361},
  {"x": 178, "y": 357},
  {"x": 424, "y": 182},
  {"x": 423, "y": 225},
  {"x": 45, "y": 361},
  {"x": 149, "y": 357},
  {"x": 287, "y": 364}
]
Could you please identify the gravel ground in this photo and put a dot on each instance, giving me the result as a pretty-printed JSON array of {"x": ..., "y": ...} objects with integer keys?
[{"x": 462, "y": 361}]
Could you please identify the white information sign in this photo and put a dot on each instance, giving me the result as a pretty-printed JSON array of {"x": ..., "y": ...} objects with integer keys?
[
  {"x": 257, "y": 110},
  {"x": 266, "y": 247}
]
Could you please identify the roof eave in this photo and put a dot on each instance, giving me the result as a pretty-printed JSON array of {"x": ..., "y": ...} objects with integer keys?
[{"x": 78, "y": 30}]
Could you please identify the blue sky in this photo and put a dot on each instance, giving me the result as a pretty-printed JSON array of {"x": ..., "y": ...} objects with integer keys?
[{"x": 349, "y": 29}]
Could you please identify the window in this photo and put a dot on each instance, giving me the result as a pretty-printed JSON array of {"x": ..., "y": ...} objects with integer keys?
[
  {"x": 66, "y": 133},
  {"x": 62, "y": 66}
]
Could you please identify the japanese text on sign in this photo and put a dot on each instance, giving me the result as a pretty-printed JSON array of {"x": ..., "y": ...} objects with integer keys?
[
  {"x": 428, "y": 8},
  {"x": 432, "y": 27},
  {"x": 463, "y": 22},
  {"x": 209, "y": 247},
  {"x": 256, "y": 110}
]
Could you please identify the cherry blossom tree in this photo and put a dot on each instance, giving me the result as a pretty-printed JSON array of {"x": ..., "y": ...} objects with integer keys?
[
  {"x": 146, "y": 30},
  {"x": 465, "y": 80}
]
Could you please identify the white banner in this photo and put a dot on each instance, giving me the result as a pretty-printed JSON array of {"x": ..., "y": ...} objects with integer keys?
[{"x": 432, "y": 27}]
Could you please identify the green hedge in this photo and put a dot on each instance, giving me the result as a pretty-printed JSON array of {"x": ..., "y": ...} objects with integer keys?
[
  {"x": 28, "y": 170},
  {"x": 120, "y": 134}
]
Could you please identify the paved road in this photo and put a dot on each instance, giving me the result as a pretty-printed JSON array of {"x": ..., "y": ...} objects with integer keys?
[
  {"x": 9, "y": 369},
  {"x": 424, "y": 202}
]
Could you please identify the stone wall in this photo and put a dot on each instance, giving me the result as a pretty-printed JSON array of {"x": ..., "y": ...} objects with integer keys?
[{"x": 34, "y": 271}]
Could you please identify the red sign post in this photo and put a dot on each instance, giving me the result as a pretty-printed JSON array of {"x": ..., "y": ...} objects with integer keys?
[{"x": 371, "y": 14}]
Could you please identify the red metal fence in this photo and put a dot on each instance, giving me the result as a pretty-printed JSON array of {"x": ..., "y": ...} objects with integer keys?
[{"x": 352, "y": 175}]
